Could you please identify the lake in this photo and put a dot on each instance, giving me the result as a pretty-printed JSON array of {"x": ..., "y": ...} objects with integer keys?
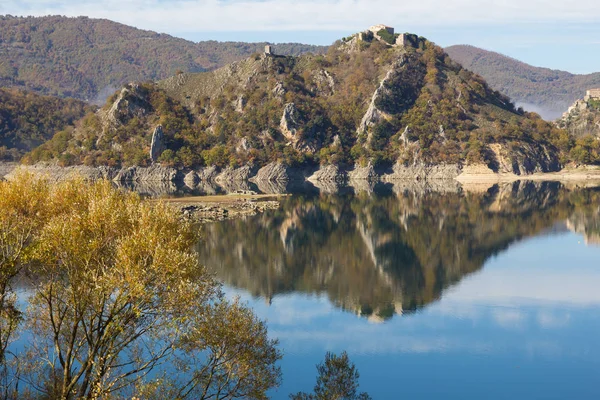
[{"x": 433, "y": 293}]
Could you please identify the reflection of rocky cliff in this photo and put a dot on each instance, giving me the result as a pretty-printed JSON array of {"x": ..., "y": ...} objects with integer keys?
[
  {"x": 586, "y": 219},
  {"x": 378, "y": 255}
]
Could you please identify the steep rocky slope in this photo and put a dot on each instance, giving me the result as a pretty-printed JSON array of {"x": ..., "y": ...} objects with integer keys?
[
  {"x": 582, "y": 118},
  {"x": 582, "y": 121},
  {"x": 367, "y": 104},
  {"x": 547, "y": 91}
]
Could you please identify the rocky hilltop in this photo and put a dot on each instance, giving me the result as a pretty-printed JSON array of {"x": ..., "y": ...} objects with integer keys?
[
  {"x": 582, "y": 122},
  {"x": 378, "y": 105}
]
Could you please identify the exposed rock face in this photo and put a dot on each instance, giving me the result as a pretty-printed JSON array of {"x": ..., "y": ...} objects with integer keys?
[
  {"x": 155, "y": 173},
  {"x": 277, "y": 172},
  {"x": 234, "y": 175},
  {"x": 363, "y": 173},
  {"x": 240, "y": 104},
  {"x": 56, "y": 173},
  {"x": 242, "y": 146},
  {"x": 289, "y": 122},
  {"x": 524, "y": 160},
  {"x": 325, "y": 82},
  {"x": 279, "y": 90},
  {"x": 373, "y": 114},
  {"x": 328, "y": 173},
  {"x": 208, "y": 174},
  {"x": 157, "y": 146},
  {"x": 272, "y": 172},
  {"x": 130, "y": 103},
  {"x": 191, "y": 179},
  {"x": 582, "y": 118},
  {"x": 422, "y": 172}
]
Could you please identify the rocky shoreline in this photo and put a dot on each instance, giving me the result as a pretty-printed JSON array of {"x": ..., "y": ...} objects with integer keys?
[
  {"x": 276, "y": 178},
  {"x": 273, "y": 172},
  {"x": 213, "y": 211}
]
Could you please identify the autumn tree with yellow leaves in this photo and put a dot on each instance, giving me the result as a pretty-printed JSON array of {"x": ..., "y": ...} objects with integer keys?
[{"x": 118, "y": 301}]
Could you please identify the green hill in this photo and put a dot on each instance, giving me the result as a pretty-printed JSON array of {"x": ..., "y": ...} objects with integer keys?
[
  {"x": 89, "y": 58},
  {"x": 549, "y": 92},
  {"x": 27, "y": 120},
  {"x": 364, "y": 101}
]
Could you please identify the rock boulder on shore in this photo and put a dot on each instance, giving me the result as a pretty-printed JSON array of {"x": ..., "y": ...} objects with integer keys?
[
  {"x": 235, "y": 174},
  {"x": 328, "y": 173},
  {"x": 154, "y": 173},
  {"x": 363, "y": 173},
  {"x": 277, "y": 172},
  {"x": 422, "y": 172}
]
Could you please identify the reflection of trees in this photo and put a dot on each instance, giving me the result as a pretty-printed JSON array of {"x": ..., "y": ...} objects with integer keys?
[
  {"x": 378, "y": 255},
  {"x": 586, "y": 219}
]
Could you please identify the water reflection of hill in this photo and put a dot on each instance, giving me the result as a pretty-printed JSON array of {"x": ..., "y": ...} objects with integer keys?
[{"x": 380, "y": 255}]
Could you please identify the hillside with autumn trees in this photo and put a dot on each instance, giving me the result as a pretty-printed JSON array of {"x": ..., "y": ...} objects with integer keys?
[
  {"x": 28, "y": 120},
  {"x": 364, "y": 102},
  {"x": 89, "y": 59},
  {"x": 550, "y": 91}
]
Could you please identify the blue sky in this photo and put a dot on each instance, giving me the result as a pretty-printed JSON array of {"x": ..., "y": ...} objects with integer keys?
[{"x": 549, "y": 33}]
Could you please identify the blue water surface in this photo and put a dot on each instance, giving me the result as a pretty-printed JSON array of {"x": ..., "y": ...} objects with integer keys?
[{"x": 524, "y": 326}]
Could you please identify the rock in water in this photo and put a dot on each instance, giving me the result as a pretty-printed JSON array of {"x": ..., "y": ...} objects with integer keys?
[{"x": 157, "y": 146}]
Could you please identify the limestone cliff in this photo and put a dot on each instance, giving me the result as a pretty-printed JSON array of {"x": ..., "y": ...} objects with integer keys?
[{"x": 582, "y": 118}]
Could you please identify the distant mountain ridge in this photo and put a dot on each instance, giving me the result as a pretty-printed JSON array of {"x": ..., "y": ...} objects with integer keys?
[
  {"x": 546, "y": 91},
  {"x": 89, "y": 59}
]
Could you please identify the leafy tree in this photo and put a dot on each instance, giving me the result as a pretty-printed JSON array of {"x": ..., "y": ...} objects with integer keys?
[
  {"x": 119, "y": 293},
  {"x": 337, "y": 380},
  {"x": 21, "y": 215}
]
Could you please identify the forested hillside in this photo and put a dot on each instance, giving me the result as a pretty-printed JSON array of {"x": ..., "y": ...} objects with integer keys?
[
  {"x": 89, "y": 58},
  {"x": 27, "y": 120},
  {"x": 552, "y": 91},
  {"x": 364, "y": 101}
]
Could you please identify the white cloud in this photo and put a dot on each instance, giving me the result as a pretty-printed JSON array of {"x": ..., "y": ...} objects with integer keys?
[{"x": 291, "y": 15}]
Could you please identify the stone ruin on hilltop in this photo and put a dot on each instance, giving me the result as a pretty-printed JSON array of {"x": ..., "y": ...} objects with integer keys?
[
  {"x": 402, "y": 39},
  {"x": 592, "y": 94}
]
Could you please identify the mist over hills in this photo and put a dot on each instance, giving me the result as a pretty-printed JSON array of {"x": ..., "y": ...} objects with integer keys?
[{"x": 545, "y": 91}]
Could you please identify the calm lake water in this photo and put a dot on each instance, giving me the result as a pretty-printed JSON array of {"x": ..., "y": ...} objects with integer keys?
[{"x": 494, "y": 294}]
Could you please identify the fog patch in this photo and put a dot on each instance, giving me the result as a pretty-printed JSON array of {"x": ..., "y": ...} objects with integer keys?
[
  {"x": 104, "y": 94},
  {"x": 546, "y": 112}
]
